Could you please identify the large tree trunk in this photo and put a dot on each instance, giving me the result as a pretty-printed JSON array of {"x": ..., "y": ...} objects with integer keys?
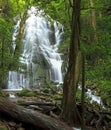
[
  {"x": 70, "y": 112},
  {"x": 32, "y": 117}
]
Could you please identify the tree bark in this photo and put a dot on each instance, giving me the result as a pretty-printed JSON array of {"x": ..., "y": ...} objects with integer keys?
[
  {"x": 93, "y": 20},
  {"x": 83, "y": 93},
  {"x": 70, "y": 112},
  {"x": 32, "y": 117}
]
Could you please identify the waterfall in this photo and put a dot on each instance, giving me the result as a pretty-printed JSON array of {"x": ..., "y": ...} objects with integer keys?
[
  {"x": 40, "y": 56},
  {"x": 93, "y": 97}
]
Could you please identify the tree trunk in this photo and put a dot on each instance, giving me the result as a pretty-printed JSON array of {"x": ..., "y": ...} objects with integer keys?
[
  {"x": 70, "y": 112},
  {"x": 83, "y": 93},
  {"x": 93, "y": 20},
  {"x": 32, "y": 117}
]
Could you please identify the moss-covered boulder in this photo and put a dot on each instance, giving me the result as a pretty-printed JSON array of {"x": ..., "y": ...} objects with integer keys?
[{"x": 3, "y": 127}]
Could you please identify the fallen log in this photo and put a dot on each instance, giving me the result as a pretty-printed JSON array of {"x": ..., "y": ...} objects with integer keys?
[
  {"x": 27, "y": 103},
  {"x": 34, "y": 107},
  {"x": 32, "y": 117}
]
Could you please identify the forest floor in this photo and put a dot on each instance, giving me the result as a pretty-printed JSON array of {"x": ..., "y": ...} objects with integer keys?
[{"x": 95, "y": 119}]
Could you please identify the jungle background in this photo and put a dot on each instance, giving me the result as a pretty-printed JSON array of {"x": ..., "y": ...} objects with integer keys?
[{"x": 95, "y": 39}]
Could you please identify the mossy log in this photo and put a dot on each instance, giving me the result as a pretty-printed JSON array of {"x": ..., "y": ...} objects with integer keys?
[{"x": 32, "y": 117}]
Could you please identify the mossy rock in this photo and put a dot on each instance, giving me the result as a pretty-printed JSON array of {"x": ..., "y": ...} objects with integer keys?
[
  {"x": 3, "y": 127},
  {"x": 27, "y": 93},
  {"x": 30, "y": 94},
  {"x": 23, "y": 92}
]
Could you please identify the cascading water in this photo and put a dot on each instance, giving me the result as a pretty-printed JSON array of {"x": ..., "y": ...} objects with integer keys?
[{"x": 40, "y": 55}]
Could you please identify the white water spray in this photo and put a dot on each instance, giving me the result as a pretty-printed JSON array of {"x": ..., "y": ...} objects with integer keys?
[{"x": 40, "y": 41}]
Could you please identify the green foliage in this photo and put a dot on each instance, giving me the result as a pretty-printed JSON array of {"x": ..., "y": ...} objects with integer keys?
[
  {"x": 56, "y": 9},
  {"x": 106, "y": 98},
  {"x": 78, "y": 96},
  {"x": 99, "y": 72},
  {"x": 104, "y": 85},
  {"x": 8, "y": 11},
  {"x": 64, "y": 46},
  {"x": 56, "y": 96},
  {"x": 5, "y": 30},
  {"x": 26, "y": 92},
  {"x": 98, "y": 54},
  {"x": 5, "y": 48},
  {"x": 16, "y": 7}
]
